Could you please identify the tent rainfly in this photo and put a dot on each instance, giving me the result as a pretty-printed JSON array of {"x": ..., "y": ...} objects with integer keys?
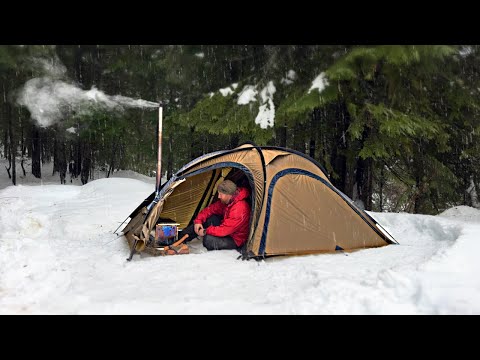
[{"x": 295, "y": 208}]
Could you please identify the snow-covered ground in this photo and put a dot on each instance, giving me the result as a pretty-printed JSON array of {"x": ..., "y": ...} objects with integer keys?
[{"x": 58, "y": 255}]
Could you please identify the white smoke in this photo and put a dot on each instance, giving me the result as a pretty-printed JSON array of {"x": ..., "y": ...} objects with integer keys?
[
  {"x": 51, "y": 100},
  {"x": 52, "y": 68}
]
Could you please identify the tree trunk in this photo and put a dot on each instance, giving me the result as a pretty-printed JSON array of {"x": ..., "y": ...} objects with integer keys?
[
  {"x": 36, "y": 168},
  {"x": 62, "y": 162},
  {"x": 9, "y": 157},
  {"x": 92, "y": 159},
  {"x": 339, "y": 145},
  {"x": 55, "y": 158},
  {"x": 8, "y": 154},
  {"x": 5, "y": 144},
  {"x": 22, "y": 147},
  {"x": 23, "y": 168},
  {"x": 364, "y": 182},
  {"x": 234, "y": 139},
  {"x": 349, "y": 179},
  {"x": 339, "y": 165},
  {"x": 77, "y": 166},
  {"x": 13, "y": 147},
  {"x": 194, "y": 144},
  {"x": 59, "y": 155},
  {"x": 281, "y": 135},
  {"x": 111, "y": 168},
  {"x": 419, "y": 171},
  {"x": 369, "y": 192},
  {"x": 382, "y": 181},
  {"x": 85, "y": 173},
  {"x": 417, "y": 201},
  {"x": 77, "y": 63},
  {"x": 312, "y": 145},
  {"x": 299, "y": 138}
]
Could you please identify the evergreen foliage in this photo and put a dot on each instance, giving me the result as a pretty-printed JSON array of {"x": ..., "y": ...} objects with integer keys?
[{"x": 395, "y": 126}]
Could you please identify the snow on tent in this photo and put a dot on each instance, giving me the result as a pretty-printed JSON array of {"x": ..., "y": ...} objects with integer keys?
[{"x": 295, "y": 208}]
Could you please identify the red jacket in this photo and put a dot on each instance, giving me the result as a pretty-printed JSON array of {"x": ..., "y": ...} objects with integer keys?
[{"x": 236, "y": 217}]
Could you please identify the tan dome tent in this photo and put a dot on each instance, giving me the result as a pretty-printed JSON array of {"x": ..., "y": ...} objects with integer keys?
[{"x": 295, "y": 207}]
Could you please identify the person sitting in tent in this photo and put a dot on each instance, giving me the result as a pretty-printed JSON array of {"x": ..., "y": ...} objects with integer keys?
[{"x": 225, "y": 223}]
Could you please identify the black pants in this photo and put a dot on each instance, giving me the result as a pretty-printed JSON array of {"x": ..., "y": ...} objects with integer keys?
[{"x": 209, "y": 241}]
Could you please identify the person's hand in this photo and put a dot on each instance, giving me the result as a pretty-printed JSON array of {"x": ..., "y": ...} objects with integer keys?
[{"x": 198, "y": 229}]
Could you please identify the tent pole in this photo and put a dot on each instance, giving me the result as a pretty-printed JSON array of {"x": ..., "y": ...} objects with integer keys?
[{"x": 159, "y": 152}]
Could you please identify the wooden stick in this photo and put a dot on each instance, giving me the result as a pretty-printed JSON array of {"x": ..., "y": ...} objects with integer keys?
[{"x": 184, "y": 237}]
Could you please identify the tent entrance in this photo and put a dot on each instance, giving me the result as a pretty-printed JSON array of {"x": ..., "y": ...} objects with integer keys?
[{"x": 199, "y": 191}]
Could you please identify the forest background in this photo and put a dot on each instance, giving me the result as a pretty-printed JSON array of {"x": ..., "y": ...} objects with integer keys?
[{"x": 396, "y": 127}]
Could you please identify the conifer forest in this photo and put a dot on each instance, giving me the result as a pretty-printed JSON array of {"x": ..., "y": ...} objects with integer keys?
[{"x": 396, "y": 127}]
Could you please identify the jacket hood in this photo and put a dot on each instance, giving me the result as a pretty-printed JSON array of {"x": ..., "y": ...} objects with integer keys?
[{"x": 241, "y": 194}]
